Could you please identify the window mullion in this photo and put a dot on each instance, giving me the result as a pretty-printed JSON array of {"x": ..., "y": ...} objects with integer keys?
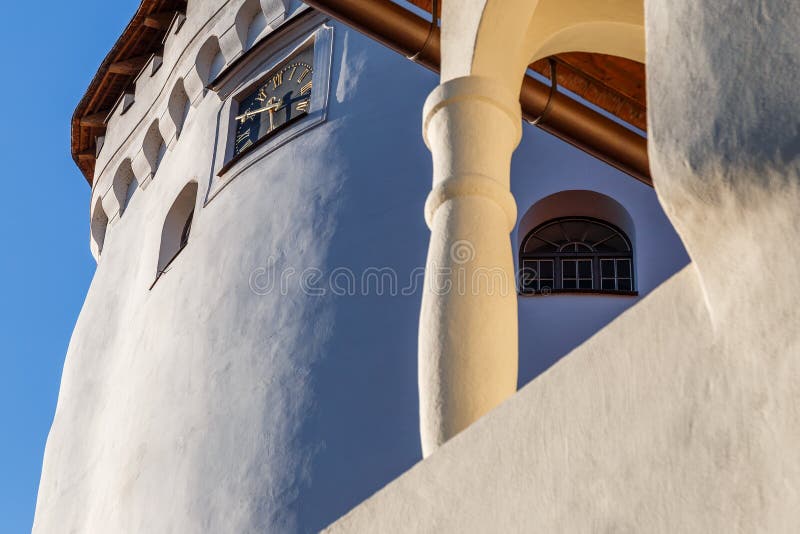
[{"x": 558, "y": 283}]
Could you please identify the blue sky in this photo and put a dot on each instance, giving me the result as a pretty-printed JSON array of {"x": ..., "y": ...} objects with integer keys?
[{"x": 51, "y": 53}]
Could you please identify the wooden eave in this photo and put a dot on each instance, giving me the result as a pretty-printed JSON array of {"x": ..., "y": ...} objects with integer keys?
[
  {"x": 141, "y": 39},
  {"x": 614, "y": 84}
]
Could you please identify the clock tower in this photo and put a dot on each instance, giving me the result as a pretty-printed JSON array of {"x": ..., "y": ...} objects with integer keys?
[{"x": 246, "y": 357}]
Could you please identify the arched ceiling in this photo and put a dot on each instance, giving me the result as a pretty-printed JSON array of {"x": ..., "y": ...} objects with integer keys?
[{"x": 614, "y": 84}]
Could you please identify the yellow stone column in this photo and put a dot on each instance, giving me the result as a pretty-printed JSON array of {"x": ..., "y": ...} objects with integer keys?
[
  {"x": 472, "y": 124},
  {"x": 468, "y": 322}
]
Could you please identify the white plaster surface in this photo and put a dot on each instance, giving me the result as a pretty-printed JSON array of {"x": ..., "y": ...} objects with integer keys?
[
  {"x": 204, "y": 406},
  {"x": 681, "y": 415},
  {"x": 605, "y": 440}
]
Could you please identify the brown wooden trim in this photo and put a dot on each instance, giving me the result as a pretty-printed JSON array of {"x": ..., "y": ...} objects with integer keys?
[
  {"x": 129, "y": 66},
  {"x": 567, "y": 119},
  {"x": 95, "y": 120},
  {"x": 159, "y": 21},
  {"x": 137, "y": 40},
  {"x": 613, "y": 84}
]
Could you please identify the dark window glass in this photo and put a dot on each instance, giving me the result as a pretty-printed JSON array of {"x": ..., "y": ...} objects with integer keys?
[
  {"x": 607, "y": 268},
  {"x": 187, "y": 228},
  {"x": 624, "y": 268},
  {"x": 546, "y": 269},
  {"x": 573, "y": 229},
  {"x": 590, "y": 255},
  {"x": 553, "y": 234},
  {"x": 536, "y": 275}
]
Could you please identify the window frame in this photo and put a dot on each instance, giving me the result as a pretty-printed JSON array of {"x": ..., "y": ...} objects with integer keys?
[{"x": 528, "y": 287}]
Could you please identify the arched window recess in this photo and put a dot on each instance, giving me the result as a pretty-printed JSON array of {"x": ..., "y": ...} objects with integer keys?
[
  {"x": 177, "y": 228},
  {"x": 576, "y": 255}
]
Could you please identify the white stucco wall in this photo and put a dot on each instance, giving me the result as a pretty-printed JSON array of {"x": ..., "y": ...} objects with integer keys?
[
  {"x": 681, "y": 415},
  {"x": 606, "y": 440},
  {"x": 652, "y": 425},
  {"x": 204, "y": 405}
]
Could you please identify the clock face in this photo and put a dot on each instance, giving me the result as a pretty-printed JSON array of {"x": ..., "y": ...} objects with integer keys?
[{"x": 283, "y": 97}]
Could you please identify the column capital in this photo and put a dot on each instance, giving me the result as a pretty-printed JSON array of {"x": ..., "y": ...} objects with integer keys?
[{"x": 472, "y": 89}]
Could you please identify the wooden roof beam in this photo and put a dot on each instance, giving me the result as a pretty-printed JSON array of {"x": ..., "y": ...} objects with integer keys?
[
  {"x": 129, "y": 66},
  {"x": 159, "y": 21},
  {"x": 104, "y": 89},
  {"x": 95, "y": 120},
  {"x": 409, "y": 34}
]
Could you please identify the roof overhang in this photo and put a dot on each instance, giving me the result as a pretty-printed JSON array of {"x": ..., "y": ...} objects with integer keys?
[
  {"x": 615, "y": 85},
  {"x": 142, "y": 38}
]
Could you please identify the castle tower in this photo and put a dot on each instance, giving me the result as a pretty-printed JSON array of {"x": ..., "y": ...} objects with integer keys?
[{"x": 245, "y": 360}]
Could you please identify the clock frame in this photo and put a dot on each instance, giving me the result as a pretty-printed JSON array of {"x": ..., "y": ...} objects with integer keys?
[
  {"x": 308, "y": 39},
  {"x": 282, "y": 98}
]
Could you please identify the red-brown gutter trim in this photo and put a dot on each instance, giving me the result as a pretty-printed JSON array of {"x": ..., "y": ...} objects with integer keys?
[{"x": 406, "y": 33}]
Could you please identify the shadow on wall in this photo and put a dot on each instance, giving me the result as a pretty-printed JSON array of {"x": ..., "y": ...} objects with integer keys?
[
  {"x": 124, "y": 184},
  {"x": 365, "y": 411},
  {"x": 177, "y": 223},
  {"x": 552, "y": 325},
  {"x": 98, "y": 226}
]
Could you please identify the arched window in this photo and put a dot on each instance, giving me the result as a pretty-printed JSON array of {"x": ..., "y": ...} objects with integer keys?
[
  {"x": 576, "y": 254},
  {"x": 179, "y": 106},
  {"x": 125, "y": 184},
  {"x": 177, "y": 226},
  {"x": 210, "y": 61},
  {"x": 187, "y": 227},
  {"x": 250, "y": 22},
  {"x": 154, "y": 147},
  {"x": 98, "y": 225}
]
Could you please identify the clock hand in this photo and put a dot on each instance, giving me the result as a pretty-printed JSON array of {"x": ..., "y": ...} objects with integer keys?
[{"x": 274, "y": 106}]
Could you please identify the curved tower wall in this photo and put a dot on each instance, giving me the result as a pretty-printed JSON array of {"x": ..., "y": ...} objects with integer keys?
[{"x": 206, "y": 400}]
